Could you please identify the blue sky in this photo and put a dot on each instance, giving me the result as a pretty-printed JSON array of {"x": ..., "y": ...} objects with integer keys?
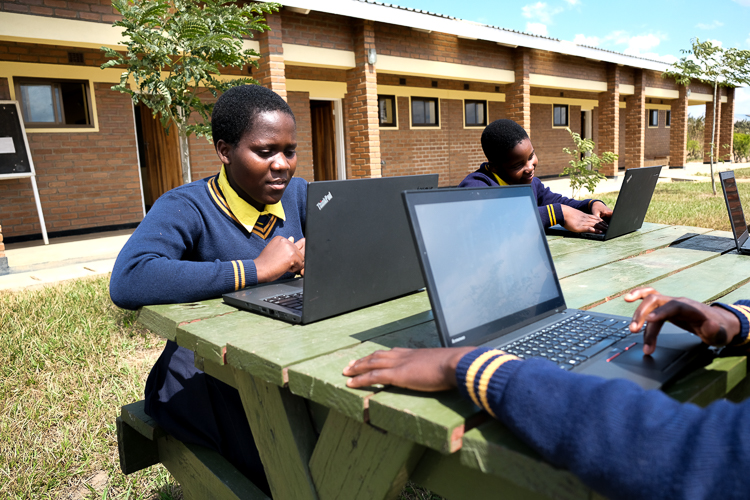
[{"x": 654, "y": 29}]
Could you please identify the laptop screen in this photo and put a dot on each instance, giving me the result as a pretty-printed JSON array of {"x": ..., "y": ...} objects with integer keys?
[
  {"x": 735, "y": 207},
  {"x": 488, "y": 265}
]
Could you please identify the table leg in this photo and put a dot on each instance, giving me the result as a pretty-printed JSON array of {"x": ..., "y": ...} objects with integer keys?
[
  {"x": 356, "y": 460},
  {"x": 283, "y": 433}
]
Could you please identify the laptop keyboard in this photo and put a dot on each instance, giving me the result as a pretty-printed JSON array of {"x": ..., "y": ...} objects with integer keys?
[
  {"x": 292, "y": 300},
  {"x": 571, "y": 341}
]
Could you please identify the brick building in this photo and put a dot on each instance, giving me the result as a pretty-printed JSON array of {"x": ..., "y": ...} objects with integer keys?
[{"x": 377, "y": 91}]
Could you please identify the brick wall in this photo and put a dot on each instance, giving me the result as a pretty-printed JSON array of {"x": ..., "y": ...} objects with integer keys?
[
  {"x": 85, "y": 179},
  {"x": 549, "y": 142},
  {"x": 654, "y": 79},
  {"x": 49, "y": 54},
  {"x": 300, "y": 104},
  {"x": 453, "y": 152},
  {"x": 318, "y": 29},
  {"x": 4, "y": 89},
  {"x": 657, "y": 139},
  {"x": 550, "y": 63},
  {"x": 401, "y": 41},
  {"x": 203, "y": 160},
  {"x": 100, "y": 11},
  {"x": 320, "y": 74},
  {"x": 422, "y": 82}
]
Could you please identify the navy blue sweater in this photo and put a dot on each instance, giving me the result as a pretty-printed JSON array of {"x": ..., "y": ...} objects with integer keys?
[
  {"x": 189, "y": 247},
  {"x": 622, "y": 441},
  {"x": 549, "y": 203}
]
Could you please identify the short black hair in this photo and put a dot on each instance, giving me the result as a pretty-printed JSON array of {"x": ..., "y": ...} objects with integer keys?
[
  {"x": 499, "y": 138},
  {"x": 236, "y": 109}
]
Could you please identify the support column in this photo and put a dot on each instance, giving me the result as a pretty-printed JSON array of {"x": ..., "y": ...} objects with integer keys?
[
  {"x": 518, "y": 97},
  {"x": 707, "y": 130},
  {"x": 362, "y": 106},
  {"x": 271, "y": 72},
  {"x": 678, "y": 130},
  {"x": 4, "y": 269},
  {"x": 609, "y": 117},
  {"x": 727, "y": 126},
  {"x": 635, "y": 123}
]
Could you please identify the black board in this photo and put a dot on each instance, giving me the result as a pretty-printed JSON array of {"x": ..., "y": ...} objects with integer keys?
[{"x": 17, "y": 162}]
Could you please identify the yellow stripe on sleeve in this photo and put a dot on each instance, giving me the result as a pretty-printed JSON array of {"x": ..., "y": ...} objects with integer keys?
[
  {"x": 551, "y": 212},
  {"x": 242, "y": 273},
  {"x": 472, "y": 372},
  {"x": 746, "y": 312},
  {"x": 487, "y": 375},
  {"x": 236, "y": 277}
]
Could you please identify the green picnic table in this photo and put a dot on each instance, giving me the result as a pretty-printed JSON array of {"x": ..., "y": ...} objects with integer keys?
[{"x": 318, "y": 438}]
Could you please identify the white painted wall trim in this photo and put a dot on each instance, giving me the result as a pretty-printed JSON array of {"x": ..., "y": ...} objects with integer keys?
[
  {"x": 318, "y": 89},
  {"x": 558, "y": 82},
  {"x": 318, "y": 57},
  {"x": 404, "y": 91},
  {"x": 662, "y": 93},
  {"x": 435, "y": 69},
  {"x": 585, "y": 104},
  {"x": 626, "y": 89}
]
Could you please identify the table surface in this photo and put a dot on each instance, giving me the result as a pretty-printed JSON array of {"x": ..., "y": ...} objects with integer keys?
[{"x": 320, "y": 439}]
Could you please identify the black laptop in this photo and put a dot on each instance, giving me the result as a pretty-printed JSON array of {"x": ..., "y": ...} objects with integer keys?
[
  {"x": 631, "y": 207},
  {"x": 359, "y": 251},
  {"x": 736, "y": 215},
  {"x": 492, "y": 282}
]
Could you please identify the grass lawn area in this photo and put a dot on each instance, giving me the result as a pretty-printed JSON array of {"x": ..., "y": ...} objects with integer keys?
[{"x": 69, "y": 359}]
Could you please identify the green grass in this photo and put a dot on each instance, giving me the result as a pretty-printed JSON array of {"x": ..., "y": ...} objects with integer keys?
[
  {"x": 689, "y": 204},
  {"x": 68, "y": 360}
]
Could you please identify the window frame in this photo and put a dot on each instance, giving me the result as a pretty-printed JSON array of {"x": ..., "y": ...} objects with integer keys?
[
  {"x": 481, "y": 124},
  {"x": 435, "y": 125},
  {"x": 653, "y": 112},
  {"x": 668, "y": 119},
  {"x": 57, "y": 104},
  {"x": 394, "y": 111},
  {"x": 567, "y": 115}
]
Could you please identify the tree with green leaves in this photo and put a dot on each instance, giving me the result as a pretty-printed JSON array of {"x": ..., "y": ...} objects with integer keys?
[
  {"x": 584, "y": 164},
  {"x": 716, "y": 66},
  {"x": 176, "y": 50}
]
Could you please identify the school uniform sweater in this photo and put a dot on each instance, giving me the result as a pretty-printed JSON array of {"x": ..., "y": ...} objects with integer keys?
[
  {"x": 192, "y": 246},
  {"x": 549, "y": 203},
  {"x": 622, "y": 441}
]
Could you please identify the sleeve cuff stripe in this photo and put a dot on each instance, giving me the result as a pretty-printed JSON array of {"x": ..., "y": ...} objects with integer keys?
[
  {"x": 551, "y": 213},
  {"x": 745, "y": 310},
  {"x": 487, "y": 375},
  {"x": 236, "y": 276},
  {"x": 472, "y": 372},
  {"x": 242, "y": 273}
]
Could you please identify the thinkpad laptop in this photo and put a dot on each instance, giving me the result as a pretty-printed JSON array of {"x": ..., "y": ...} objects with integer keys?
[
  {"x": 736, "y": 215},
  {"x": 358, "y": 252},
  {"x": 630, "y": 210},
  {"x": 493, "y": 283}
]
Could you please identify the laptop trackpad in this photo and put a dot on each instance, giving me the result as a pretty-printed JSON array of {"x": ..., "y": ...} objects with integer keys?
[{"x": 660, "y": 360}]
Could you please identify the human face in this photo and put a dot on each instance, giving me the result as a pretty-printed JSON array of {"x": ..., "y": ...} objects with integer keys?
[
  {"x": 260, "y": 166},
  {"x": 520, "y": 164}
]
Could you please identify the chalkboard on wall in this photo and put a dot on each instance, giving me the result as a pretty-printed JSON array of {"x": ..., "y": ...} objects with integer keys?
[{"x": 14, "y": 153}]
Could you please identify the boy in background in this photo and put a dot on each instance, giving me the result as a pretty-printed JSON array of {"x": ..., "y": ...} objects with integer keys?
[
  {"x": 240, "y": 227},
  {"x": 511, "y": 160}
]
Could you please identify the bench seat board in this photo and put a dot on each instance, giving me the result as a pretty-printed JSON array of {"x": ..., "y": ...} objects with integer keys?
[{"x": 704, "y": 282}]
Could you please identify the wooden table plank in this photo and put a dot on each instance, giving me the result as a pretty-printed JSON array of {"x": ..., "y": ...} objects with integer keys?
[
  {"x": 741, "y": 293},
  {"x": 576, "y": 245},
  {"x": 267, "y": 356},
  {"x": 605, "y": 252},
  {"x": 703, "y": 282},
  {"x": 590, "y": 288},
  {"x": 164, "y": 319}
]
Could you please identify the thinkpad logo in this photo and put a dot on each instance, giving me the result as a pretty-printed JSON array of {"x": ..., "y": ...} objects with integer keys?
[{"x": 324, "y": 201}]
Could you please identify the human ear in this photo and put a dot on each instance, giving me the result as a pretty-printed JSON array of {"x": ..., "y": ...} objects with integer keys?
[{"x": 224, "y": 151}]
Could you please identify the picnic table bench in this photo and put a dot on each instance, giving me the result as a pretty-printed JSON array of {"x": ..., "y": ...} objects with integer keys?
[{"x": 318, "y": 438}]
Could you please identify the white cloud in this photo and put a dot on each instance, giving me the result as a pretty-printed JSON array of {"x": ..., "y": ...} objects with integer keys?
[
  {"x": 709, "y": 26},
  {"x": 573, "y": 2},
  {"x": 591, "y": 41},
  {"x": 637, "y": 45},
  {"x": 640, "y": 43},
  {"x": 536, "y": 29},
  {"x": 746, "y": 3},
  {"x": 741, "y": 103},
  {"x": 541, "y": 12}
]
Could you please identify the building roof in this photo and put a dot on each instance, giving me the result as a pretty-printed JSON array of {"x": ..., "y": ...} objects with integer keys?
[{"x": 430, "y": 21}]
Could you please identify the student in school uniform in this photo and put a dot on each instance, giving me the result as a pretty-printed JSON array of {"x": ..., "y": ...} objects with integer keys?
[
  {"x": 240, "y": 227},
  {"x": 621, "y": 440},
  {"x": 511, "y": 159}
]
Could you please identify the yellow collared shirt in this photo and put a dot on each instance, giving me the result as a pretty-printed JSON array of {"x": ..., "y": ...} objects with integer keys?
[
  {"x": 497, "y": 178},
  {"x": 242, "y": 210}
]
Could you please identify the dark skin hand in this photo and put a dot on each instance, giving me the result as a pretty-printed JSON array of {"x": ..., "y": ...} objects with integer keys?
[
  {"x": 580, "y": 222},
  {"x": 280, "y": 256},
  {"x": 714, "y": 325},
  {"x": 599, "y": 209},
  {"x": 418, "y": 369}
]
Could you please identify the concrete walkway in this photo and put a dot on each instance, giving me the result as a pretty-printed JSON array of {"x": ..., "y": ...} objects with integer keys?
[{"x": 34, "y": 264}]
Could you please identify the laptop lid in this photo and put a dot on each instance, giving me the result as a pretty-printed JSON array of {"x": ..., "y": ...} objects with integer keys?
[
  {"x": 734, "y": 207},
  {"x": 359, "y": 250},
  {"x": 633, "y": 200},
  {"x": 485, "y": 260}
]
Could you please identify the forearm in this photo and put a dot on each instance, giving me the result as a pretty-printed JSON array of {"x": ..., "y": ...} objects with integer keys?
[{"x": 619, "y": 439}]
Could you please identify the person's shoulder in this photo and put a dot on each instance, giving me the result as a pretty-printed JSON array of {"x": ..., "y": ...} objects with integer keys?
[
  {"x": 477, "y": 179},
  {"x": 296, "y": 190},
  {"x": 194, "y": 194}
]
